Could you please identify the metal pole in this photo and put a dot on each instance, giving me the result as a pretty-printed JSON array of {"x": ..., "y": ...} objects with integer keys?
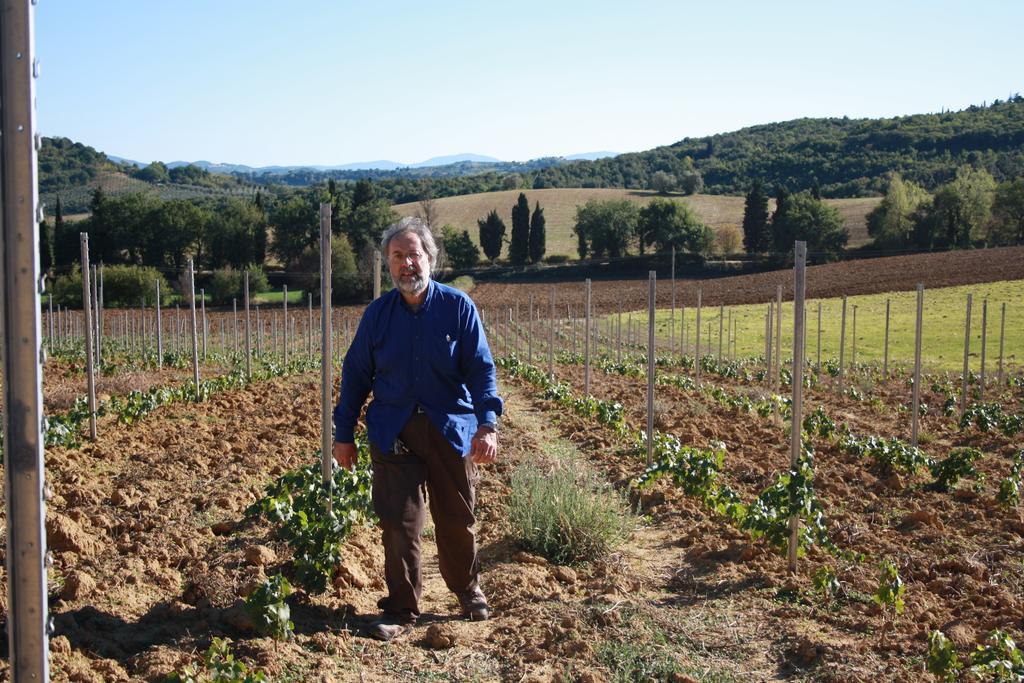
[
  {"x": 49, "y": 319},
  {"x": 248, "y": 327},
  {"x": 696, "y": 336},
  {"x": 159, "y": 330},
  {"x": 22, "y": 284},
  {"x": 984, "y": 345},
  {"x": 1002, "y": 332},
  {"x": 885, "y": 362},
  {"x": 672, "y": 319},
  {"x": 94, "y": 304},
  {"x": 795, "y": 446},
  {"x": 768, "y": 361},
  {"x": 551, "y": 338},
  {"x": 967, "y": 352},
  {"x": 309, "y": 326},
  {"x": 915, "y": 417},
  {"x": 819, "y": 338},
  {"x": 529, "y": 332},
  {"x": 195, "y": 327},
  {"x": 202, "y": 299},
  {"x": 284, "y": 326},
  {"x": 618, "y": 334},
  {"x": 99, "y": 317},
  {"x": 652, "y": 285},
  {"x": 842, "y": 345},
  {"x": 721, "y": 322},
  {"x": 326, "y": 382},
  {"x": 853, "y": 351},
  {"x": 90, "y": 358},
  {"x": 776, "y": 379},
  {"x": 586, "y": 346}
]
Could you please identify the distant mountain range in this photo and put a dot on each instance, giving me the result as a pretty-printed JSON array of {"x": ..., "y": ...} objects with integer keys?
[{"x": 379, "y": 165}]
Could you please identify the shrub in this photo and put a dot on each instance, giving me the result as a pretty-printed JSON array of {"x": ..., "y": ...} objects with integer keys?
[
  {"x": 226, "y": 284},
  {"x": 122, "y": 286},
  {"x": 459, "y": 248},
  {"x": 565, "y": 513},
  {"x": 556, "y": 258}
]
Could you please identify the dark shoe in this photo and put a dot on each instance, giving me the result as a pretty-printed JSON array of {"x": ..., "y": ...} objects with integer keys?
[
  {"x": 387, "y": 628},
  {"x": 474, "y": 605}
]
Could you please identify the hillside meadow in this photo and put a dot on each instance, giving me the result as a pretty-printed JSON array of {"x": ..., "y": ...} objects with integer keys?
[{"x": 560, "y": 204}]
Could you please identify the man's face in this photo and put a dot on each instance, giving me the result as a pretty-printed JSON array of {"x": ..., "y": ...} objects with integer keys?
[{"x": 408, "y": 263}]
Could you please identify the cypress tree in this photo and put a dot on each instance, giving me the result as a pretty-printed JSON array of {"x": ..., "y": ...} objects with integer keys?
[
  {"x": 755, "y": 219},
  {"x": 492, "y": 233},
  {"x": 519, "y": 248},
  {"x": 538, "y": 238}
]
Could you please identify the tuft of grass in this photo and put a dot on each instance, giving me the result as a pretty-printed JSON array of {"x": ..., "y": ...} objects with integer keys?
[
  {"x": 566, "y": 512},
  {"x": 463, "y": 283},
  {"x": 632, "y": 661}
]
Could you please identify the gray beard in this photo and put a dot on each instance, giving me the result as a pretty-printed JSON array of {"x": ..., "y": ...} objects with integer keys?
[{"x": 414, "y": 287}]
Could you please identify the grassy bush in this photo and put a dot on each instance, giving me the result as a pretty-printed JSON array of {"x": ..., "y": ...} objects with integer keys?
[
  {"x": 226, "y": 284},
  {"x": 122, "y": 286},
  {"x": 566, "y": 513}
]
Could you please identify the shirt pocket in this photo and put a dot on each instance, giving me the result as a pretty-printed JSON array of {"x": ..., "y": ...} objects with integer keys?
[{"x": 447, "y": 352}]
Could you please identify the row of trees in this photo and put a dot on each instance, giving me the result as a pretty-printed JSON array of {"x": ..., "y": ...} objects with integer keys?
[
  {"x": 611, "y": 227},
  {"x": 972, "y": 210},
  {"x": 529, "y": 234},
  {"x": 797, "y": 216}
]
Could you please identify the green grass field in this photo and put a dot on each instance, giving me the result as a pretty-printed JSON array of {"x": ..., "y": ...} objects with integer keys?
[
  {"x": 560, "y": 204},
  {"x": 942, "y": 338}
]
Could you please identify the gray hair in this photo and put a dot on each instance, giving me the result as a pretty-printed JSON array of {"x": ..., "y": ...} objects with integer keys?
[{"x": 415, "y": 225}]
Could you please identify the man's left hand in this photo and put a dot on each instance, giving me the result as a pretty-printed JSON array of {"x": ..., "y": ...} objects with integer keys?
[{"x": 484, "y": 446}]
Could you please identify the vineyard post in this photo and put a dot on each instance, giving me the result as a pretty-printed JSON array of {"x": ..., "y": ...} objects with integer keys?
[
  {"x": 618, "y": 335},
  {"x": 49, "y": 320},
  {"x": 853, "y": 351},
  {"x": 721, "y": 322},
  {"x": 248, "y": 327},
  {"x": 984, "y": 345},
  {"x": 915, "y": 416},
  {"x": 234, "y": 324},
  {"x": 1002, "y": 331},
  {"x": 309, "y": 327},
  {"x": 682, "y": 331},
  {"x": 696, "y": 337},
  {"x": 529, "y": 335},
  {"x": 142, "y": 337},
  {"x": 376, "y": 274},
  {"x": 672, "y": 319},
  {"x": 326, "y": 382},
  {"x": 652, "y": 284},
  {"x": 94, "y": 303},
  {"x": 842, "y": 345},
  {"x": 819, "y": 339},
  {"x": 885, "y": 355},
  {"x": 195, "y": 326},
  {"x": 28, "y": 619},
  {"x": 206, "y": 322},
  {"x": 551, "y": 337},
  {"x": 730, "y": 339},
  {"x": 284, "y": 323},
  {"x": 90, "y": 368},
  {"x": 799, "y": 287},
  {"x": 768, "y": 341},
  {"x": 572, "y": 323},
  {"x": 99, "y": 316},
  {"x": 586, "y": 346},
  {"x": 778, "y": 340},
  {"x": 967, "y": 353},
  {"x": 159, "y": 330}
]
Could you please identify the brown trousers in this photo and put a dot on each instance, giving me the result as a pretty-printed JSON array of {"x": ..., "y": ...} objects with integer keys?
[{"x": 423, "y": 462}]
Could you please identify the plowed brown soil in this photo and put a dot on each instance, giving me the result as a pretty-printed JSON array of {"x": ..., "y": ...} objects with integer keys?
[{"x": 865, "y": 276}]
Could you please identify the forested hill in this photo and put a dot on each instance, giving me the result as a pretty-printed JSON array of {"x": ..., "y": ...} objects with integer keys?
[{"x": 843, "y": 157}]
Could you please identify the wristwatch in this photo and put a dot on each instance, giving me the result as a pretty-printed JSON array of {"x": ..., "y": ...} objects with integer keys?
[{"x": 489, "y": 425}]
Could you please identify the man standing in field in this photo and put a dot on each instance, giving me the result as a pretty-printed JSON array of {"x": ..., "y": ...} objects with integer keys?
[{"x": 421, "y": 350}]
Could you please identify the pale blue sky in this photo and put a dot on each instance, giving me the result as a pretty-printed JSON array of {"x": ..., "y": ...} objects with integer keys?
[{"x": 319, "y": 82}]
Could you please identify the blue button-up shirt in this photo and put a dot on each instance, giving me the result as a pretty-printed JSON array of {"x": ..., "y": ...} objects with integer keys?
[{"x": 436, "y": 357}]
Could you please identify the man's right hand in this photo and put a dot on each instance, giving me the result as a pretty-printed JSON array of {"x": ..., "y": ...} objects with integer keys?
[{"x": 345, "y": 455}]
